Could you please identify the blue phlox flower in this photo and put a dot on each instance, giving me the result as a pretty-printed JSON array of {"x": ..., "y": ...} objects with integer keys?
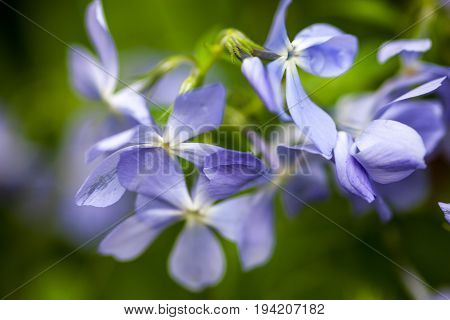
[
  {"x": 197, "y": 260},
  {"x": 194, "y": 112},
  {"x": 97, "y": 79},
  {"x": 320, "y": 49},
  {"x": 384, "y": 145}
]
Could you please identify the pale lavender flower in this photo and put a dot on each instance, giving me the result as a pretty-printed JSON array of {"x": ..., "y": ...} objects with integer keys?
[
  {"x": 320, "y": 49},
  {"x": 194, "y": 112},
  {"x": 97, "y": 79},
  {"x": 197, "y": 260},
  {"x": 381, "y": 145}
]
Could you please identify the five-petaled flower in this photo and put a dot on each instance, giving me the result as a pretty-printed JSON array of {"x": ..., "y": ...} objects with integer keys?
[
  {"x": 381, "y": 145},
  {"x": 194, "y": 112},
  {"x": 197, "y": 260},
  {"x": 320, "y": 49},
  {"x": 97, "y": 79}
]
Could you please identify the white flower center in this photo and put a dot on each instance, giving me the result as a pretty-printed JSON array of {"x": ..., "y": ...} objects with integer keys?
[{"x": 292, "y": 52}]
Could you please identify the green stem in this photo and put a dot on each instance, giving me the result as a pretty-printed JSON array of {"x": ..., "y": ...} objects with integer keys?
[
  {"x": 426, "y": 17},
  {"x": 198, "y": 73},
  {"x": 236, "y": 43},
  {"x": 216, "y": 53},
  {"x": 163, "y": 67}
]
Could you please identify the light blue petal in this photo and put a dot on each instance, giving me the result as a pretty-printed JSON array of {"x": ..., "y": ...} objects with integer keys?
[
  {"x": 134, "y": 136},
  {"x": 426, "y": 117},
  {"x": 165, "y": 91},
  {"x": 197, "y": 260},
  {"x": 278, "y": 40},
  {"x": 354, "y": 112},
  {"x": 267, "y": 83},
  {"x": 131, "y": 237},
  {"x": 255, "y": 72},
  {"x": 290, "y": 154},
  {"x": 102, "y": 187},
  {"x": 325, "y": 50},
  {"x": 275, "y": 71},
  {"x": 145, "y": 205},
  {"x": 153, "y": 173},
  {"x": 408, "y": 193},
  {"x": 195, "y": 112},
  {"x": 295, "y": 158},
  {"x": 314, "y": 35},
  {"x": 313, "y": 122},
  {"x": 389, "y": 151},
  {"x": 130, "y": 102},
  {"x": 228, "y": 217},
  {"x": 195, "y": 152},
  {"x": 401, "y": 85},
  {"x": 85, "y": 74},
  {"x": 104, "y": 44},
  {"x": 393, "y": 48},
  {"x": 350, "y": 174},
  {"x": 232, "y": 171},
  {"x": 421, "y": 90},
  {"x": 200, "y": 192},
  {"x": 111, "y": 144},
  {"x": 305, "y": 187},
  {"x": 257, "y": 241}
]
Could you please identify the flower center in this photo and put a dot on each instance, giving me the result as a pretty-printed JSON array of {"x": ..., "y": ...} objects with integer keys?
[
  {"x": 282, "y": 176},
  {"x": 195, "y": 215},
  {"x": 166, "y": 146},
  {"x": 410, "y": 70},
  {"x": 292, "y": 52}
]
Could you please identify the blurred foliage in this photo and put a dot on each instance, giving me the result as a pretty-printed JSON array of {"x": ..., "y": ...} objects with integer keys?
[{"x": 314, "y": 258}]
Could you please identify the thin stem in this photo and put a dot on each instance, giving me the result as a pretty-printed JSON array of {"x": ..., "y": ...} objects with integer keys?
[
  {"x": 426, "y": 17},
  {"x": 163, "y": 67}
]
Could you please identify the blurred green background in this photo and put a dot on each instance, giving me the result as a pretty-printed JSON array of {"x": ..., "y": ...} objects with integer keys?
[{"x": 313, "y": 258}]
